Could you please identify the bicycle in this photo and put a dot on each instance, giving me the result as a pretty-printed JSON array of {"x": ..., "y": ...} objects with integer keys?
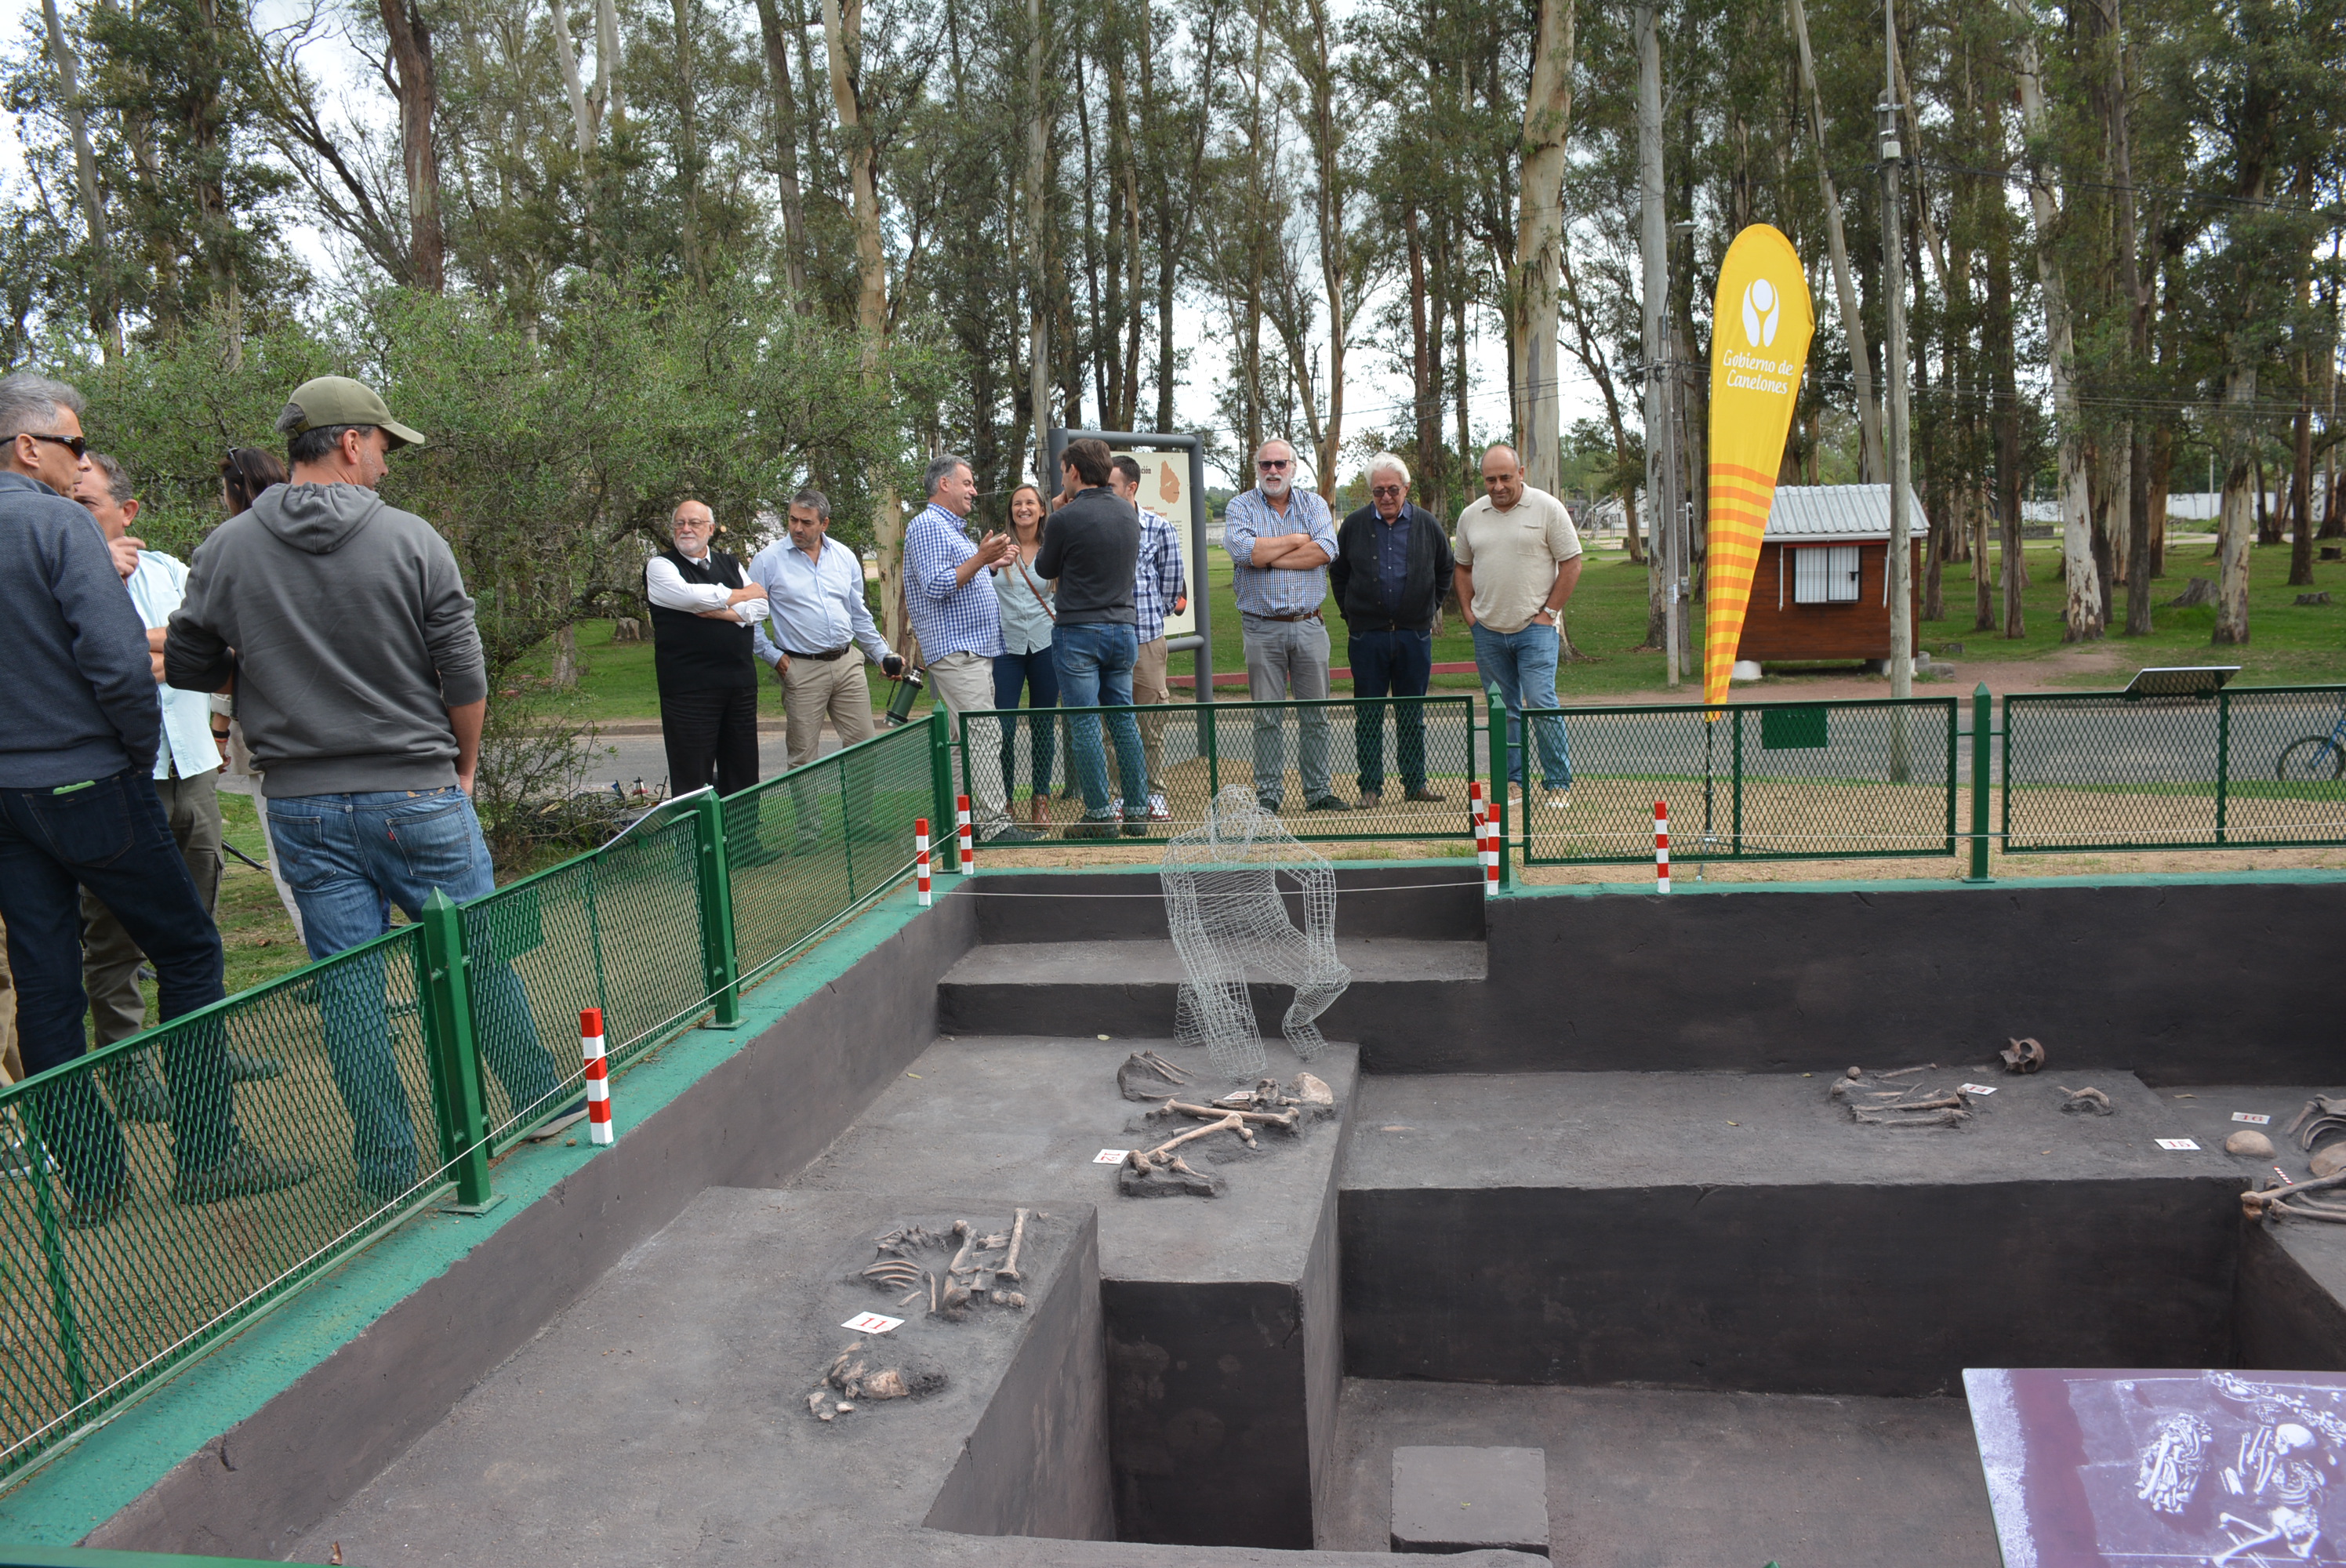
[{"x": 2315, "y": 756}]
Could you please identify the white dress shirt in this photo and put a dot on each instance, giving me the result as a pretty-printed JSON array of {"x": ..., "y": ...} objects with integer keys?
[
  {"x": 814, "y": 603},
  {"x": 157, "y": 588},
  {"x": 666, "y": 586}
]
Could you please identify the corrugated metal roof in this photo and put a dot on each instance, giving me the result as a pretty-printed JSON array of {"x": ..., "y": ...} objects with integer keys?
[{"x": 1837, "y": 512}]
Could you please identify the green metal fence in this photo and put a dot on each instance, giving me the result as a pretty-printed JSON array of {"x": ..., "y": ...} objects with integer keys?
[
  {"x": 1292, "y": 753},
  {"x": 2255, "y": 766},
  {"x": 1761, "y": 781},
  {"x": 403, "y": 1066}
]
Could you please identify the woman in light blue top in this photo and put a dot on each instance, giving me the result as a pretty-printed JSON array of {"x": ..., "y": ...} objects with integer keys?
[{"x": 1027, "y": 619}]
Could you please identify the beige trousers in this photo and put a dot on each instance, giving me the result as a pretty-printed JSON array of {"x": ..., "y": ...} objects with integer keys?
[
  {"x": 1149, "y": 686},
  {"x": 12, "y": 1065},
  {"x": 813, "y": 690},
  {"x": 963, "y": 682}
]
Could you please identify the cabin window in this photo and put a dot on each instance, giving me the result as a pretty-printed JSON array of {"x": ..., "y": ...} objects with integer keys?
[{"x": 1825, "y": 575}]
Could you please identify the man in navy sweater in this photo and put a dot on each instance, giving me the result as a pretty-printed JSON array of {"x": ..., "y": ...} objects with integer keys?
[
  {"x": 1393, "y": 566},
  {"x": 79, "y": 731}
]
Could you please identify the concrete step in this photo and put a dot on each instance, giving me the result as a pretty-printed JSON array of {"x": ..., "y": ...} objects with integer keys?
[
  {"x": 1120, "y": 988},
  {"x": 1738, "y": 1231},
  {"x": 1224, "y": 1357}
]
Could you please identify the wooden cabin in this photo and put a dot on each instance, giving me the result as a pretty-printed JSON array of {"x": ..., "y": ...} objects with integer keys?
[{"x": 1822, "y": 587}]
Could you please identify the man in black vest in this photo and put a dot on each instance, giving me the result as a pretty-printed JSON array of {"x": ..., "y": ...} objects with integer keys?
[
  {"x": 1392, "y": 563},
  {"x": 703, "y": 611}
]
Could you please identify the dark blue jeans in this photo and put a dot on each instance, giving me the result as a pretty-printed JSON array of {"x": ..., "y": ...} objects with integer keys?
[
  {"x": 1393, "y": 662},
  {"x": 1523, "y": 665},
  {"x": 111, "y": 837},
  {"x": 348, "y": 859},
  {"x": 1096, "y": 671},
  {"x": 1038, "y": 673}
]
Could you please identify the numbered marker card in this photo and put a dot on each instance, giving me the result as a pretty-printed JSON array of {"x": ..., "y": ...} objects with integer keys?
[
  {"x": 871, "y": 1323},
  {"x": 1109, "y": 1156},
  {"x": 2177, "y": 1142},
  {"x": 2252, "y": 1118}
]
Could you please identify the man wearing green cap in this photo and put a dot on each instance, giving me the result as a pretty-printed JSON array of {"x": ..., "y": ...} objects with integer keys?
[{"x": 362, "y": 688}]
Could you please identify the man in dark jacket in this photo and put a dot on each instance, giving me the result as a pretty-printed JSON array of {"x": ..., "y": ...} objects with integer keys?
[
  {"x": 362, "y": 688},
  {"x": 1091, "y": 544},
  {"x": 1392, "y": 563},
  {"x": 80, "y": 726}
]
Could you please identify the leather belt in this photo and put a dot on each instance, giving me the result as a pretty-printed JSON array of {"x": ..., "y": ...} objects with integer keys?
[
  {"x": 1299, "y": 616},
  {"x": 821, "y": 658}
]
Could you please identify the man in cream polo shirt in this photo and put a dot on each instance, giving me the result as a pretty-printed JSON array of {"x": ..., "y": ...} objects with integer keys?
[{"x": 1518, "y": 558}]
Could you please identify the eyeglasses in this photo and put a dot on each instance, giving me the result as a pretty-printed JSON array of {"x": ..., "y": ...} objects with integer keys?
[
  {"x": 1273, "y": 465},
  {"x": 1387, "y": 490},
  {"x": 77, "y": 445}
]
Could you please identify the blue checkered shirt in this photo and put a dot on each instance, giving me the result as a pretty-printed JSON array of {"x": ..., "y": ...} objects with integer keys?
[
  {"x": 1157, "y": 580},
  {"x": 1276, "y": 590},
  {"x": 948, "y": 618}
]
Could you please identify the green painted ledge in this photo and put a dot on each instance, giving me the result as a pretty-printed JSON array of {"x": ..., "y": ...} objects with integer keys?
[
  {"x": 88, "y": 1482},
  {"x": 1685, "y": 886}
]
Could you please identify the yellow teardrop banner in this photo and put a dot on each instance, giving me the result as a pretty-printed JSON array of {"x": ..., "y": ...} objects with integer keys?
[{"x": 1759, "y": 329}]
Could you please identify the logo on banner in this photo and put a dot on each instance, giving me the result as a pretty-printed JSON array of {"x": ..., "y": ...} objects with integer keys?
[{"x": 1761, "y": 313}]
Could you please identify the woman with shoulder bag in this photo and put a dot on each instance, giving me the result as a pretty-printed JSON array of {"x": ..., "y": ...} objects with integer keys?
[{"x": 1027, "y": 619}]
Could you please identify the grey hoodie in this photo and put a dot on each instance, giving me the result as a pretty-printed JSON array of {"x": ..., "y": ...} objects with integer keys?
[{"x": 346, "y": 623}]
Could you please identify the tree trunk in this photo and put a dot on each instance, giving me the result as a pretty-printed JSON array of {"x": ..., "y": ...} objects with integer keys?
[
  {"x": 2237, "y": 521},
  {"x": 1983, "y": 585},
  {"x": 2300, "y": 493},
  {"x": 1038, "y": 218},
  {"x": 416, "y": 88},
  {"x": 1539, "y": 244},
  {"x": 609, "y": 98},
  {"x": 842, "y": 32},
  {"x": 105, "y": 307},
  {"x": 1871, "y": 468},
  {"x": 2001, "y": 352},
  {"x": 688, "y": 141},
  {"x": 2083, "y": 615},
  {"x": 565, "y": 56},
  {"x": 786, "y": 145},
  {"x": 566, "y": 657}
]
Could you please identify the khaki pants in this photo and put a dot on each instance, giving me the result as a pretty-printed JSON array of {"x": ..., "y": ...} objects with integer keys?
[
  {"x": 12, "y": 1065},
  {"x": 1150, "y": 687},
  {"x": 814, "y": 689},
  {"x": 963, "y": 682},
  {"x": 109, "y": 959}
]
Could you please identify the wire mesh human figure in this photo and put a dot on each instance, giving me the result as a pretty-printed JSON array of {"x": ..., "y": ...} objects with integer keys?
[{"x": 1223, "y": 903}]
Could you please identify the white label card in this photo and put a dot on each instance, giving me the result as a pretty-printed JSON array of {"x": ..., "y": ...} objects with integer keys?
[
  {"x": 2252, "y": 1118},
  {"x": 871, "y": 1323},
  {"x": 2177, "y": 1142},
  {"x": 1976, "y": 1088},
  {"x": 1109, "y": 1156}
]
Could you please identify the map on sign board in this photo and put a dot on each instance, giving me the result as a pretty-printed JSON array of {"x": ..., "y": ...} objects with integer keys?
[
  {"x": 2159, "y": 1469},
  {"x": 1165, "y": 490}
]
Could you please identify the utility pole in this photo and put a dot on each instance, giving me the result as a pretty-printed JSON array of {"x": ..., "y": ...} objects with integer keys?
[
  {"x": 1654, "y": 250},
  {"x": 1901, "y": 443}
]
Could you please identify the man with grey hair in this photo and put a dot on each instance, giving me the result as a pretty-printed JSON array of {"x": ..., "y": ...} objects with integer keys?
[
  {"x": 1281, "y": 539},
  {"x": 79, "y": 731},
  {"x": 1393, "y": 566},
  {"x": 957, "y": 621},
  {"x": 816, "y": 610},
  {"x": 362, "y": 688}
]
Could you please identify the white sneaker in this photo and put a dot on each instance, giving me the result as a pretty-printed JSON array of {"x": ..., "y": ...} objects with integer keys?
[
  {"x": 1559, "y": 800},
  {"x": 1157, "y": 810}
]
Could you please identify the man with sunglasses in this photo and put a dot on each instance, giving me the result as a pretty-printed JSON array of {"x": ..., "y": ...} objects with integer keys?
[
  {"x": 80, "y": 732},
  {"x": 1393, "y": 566},
  {"x": 1281, "y": 539}
]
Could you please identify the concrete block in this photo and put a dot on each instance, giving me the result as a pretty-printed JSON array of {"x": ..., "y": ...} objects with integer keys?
[{"x": 1470, "y": 1500}]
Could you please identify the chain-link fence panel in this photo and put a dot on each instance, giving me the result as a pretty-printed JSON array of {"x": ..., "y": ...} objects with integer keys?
[
  {"x": 1761, "y": 781},
  {"x": 1371, "y": 769},
  {"x": 301, "y": 1120},
  {"x": 813, "y": 845},
  {"x": 2261, "y": 766}
]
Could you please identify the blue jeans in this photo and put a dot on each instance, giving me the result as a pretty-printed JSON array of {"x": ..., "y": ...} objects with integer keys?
[
  {"x": 348, "y": 859},
  {"x": 1523, "y": 665},
  {"x": 111, "y": 837},
  {"x": 1096, "y": 671},
  {"x": 1038, "y": 673},
  {"x": 1397, "y": 662}
]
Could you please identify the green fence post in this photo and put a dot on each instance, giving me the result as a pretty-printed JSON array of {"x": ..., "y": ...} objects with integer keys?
[
  {"x": 1501, "y": 737},
  {"x": 719, "y": 962},
  {"x": 944, "y": 837},
  {"x": 1983, "y": 722},
  {"x": 1739, "y": 782},
  {"x": 455, "y": 1061},
  {"x": 2223, "y": 762},
  {"x": 1213, "y": 752},
  {"x": 52, "y": 1251}
]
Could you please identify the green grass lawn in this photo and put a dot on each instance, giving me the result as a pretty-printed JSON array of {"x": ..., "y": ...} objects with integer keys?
[{"x": 2289, "y": 643}]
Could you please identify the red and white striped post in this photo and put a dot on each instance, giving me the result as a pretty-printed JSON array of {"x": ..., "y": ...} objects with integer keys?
[
  {"x": 599, "y": 1075},
  {"x": 1484, "y": 858},
  {"x": 1662, "y": 847},
  {"x": 920, "y": 857},
  {"x": 968, "y": 847}
]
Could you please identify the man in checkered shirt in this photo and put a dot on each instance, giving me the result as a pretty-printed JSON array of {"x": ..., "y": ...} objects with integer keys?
[
  {"x": 1158, "y": 590},
  {"x": 957, "y": 619}
]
